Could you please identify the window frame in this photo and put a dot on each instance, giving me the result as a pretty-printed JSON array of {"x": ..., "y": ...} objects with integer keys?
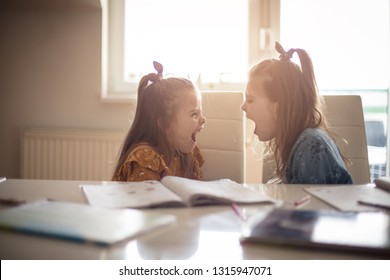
[{"x": 113, "y": 87}]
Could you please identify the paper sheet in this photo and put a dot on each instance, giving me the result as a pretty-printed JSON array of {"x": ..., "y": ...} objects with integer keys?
[{"x": 345, "y": 198}]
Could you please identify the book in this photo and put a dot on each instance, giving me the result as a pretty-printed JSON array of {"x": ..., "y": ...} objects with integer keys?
[
  {"x": 350, "y": 231},
  {"x": 80, "y": 222},
  {"x": 352, "y": 197},
  {"x": 171, "y": 191}
]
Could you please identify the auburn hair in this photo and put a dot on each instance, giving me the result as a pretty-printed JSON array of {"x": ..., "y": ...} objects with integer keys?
[
  {"x": 157, "y": 103},
  {"x": 294, "y": 88}
]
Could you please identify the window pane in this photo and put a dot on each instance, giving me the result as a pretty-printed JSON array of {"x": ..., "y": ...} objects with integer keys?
[
  {"x": 187, "y": 37},
  {"x": 348, "y": 41}
]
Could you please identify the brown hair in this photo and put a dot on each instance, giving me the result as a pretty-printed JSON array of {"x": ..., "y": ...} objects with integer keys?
[
  {"x": 294, "y": 88},
  {"x": 157, "y": 104}
]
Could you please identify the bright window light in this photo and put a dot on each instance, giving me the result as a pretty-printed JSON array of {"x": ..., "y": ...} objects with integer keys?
[
  {"x": 348, "y": 40},
  {"x": 200, "y": 39}
]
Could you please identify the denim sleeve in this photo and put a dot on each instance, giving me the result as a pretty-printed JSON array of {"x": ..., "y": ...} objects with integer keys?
[{"x": 315, "y": 161}]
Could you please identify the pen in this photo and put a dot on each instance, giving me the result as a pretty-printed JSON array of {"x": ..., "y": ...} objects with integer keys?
[
  {"x": 237, "y": 211},
  {"x": 302, "y": 200},
  {"x": 11, "y": 202},
  {"x": 376, "y": 205}
]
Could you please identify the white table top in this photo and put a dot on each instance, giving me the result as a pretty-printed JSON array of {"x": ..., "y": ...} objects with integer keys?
[{"x": 210, "y": 232}]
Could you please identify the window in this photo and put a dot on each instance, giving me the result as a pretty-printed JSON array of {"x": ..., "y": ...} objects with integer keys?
[
  {"x": 187, "y": 38},
  {"x": 348, "y": 41},
  {"x": 212, "y": 42}
]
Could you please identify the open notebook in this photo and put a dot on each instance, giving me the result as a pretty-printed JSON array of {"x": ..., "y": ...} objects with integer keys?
[
  {"x": 352, "y": 197},
  {"x": 350, "y": 231},
  {"x": 79, "y": 222},
  {"x": 171, "y": 191}
]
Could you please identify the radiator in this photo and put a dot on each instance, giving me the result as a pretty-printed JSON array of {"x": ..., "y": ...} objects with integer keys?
[{"x": 69, "y": 154}]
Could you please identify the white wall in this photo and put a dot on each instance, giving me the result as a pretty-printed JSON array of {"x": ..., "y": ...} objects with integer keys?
[{"x": 50, "y": 75}]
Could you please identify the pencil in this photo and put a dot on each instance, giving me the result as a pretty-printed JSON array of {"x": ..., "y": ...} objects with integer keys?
[
  {"x": 376, "y": 205},
  {"x": 302, "y": 200},
  {"x": 237, "y": 211}
]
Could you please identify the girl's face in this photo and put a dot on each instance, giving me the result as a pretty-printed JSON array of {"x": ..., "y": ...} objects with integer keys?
[
  {"x": 260, "y": 109},
  {"x": 187, "y": 123}
]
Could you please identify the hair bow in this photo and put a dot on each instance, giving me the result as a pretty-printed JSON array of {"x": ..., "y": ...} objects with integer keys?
[
  {"x": 284, "y": 56},
  {"x": 153, "y": 77}
]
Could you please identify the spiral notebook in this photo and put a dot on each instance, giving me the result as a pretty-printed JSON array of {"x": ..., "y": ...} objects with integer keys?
[{"x": 81, "y": 223}]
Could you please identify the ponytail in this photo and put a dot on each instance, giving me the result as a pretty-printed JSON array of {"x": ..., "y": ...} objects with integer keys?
[{"x": 151, "y": 77}]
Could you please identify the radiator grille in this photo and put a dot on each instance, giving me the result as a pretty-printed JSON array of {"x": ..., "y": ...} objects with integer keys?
[{"x": 69, "y": 154}]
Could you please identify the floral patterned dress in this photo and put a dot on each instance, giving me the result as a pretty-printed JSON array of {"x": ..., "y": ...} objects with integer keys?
[
  {"x": 144, "y": 163},
  {"x": 315, "y": 159}
]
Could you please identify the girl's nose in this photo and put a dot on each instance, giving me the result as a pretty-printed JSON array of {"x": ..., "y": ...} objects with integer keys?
[
  {"x": 202, "y": 120},
  {"x": 243, "y": 107}
]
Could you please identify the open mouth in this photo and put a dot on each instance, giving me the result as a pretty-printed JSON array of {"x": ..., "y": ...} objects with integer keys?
[{"x": 193, "y": 137}]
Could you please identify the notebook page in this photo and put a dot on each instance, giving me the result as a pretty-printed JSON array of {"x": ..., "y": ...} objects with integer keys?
[
  {"x": 130, "y": 195},
  {"x": 345, "y": 198}
]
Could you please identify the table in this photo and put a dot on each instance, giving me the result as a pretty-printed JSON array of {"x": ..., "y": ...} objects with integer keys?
[{"x": 204, "y": 233}]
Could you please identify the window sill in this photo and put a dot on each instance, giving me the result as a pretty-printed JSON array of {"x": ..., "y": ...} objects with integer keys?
[{"x": 119, "y": 98}]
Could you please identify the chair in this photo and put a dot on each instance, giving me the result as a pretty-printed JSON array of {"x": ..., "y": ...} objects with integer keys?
[
  {"x": 345, "y": 116},
  {"x": 222, "y": 139}
]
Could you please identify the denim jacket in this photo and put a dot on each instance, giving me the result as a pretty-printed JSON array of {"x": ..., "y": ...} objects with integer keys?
[{"x": 315, "y": 159}]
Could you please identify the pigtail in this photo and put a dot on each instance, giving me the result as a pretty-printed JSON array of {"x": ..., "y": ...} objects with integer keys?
[
  {"x": 307, "y": 69},
  {"x": 311, "y": 88},
  {"x": 305, "y": 61},
  {"x": 150, "y": 78},
  {"x": 144, "y": 82}
]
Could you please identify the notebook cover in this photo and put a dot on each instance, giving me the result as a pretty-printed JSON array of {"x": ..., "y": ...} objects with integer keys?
[
  {"x": 79, "y": 222},
  {"x": 351, "y": 231}
]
